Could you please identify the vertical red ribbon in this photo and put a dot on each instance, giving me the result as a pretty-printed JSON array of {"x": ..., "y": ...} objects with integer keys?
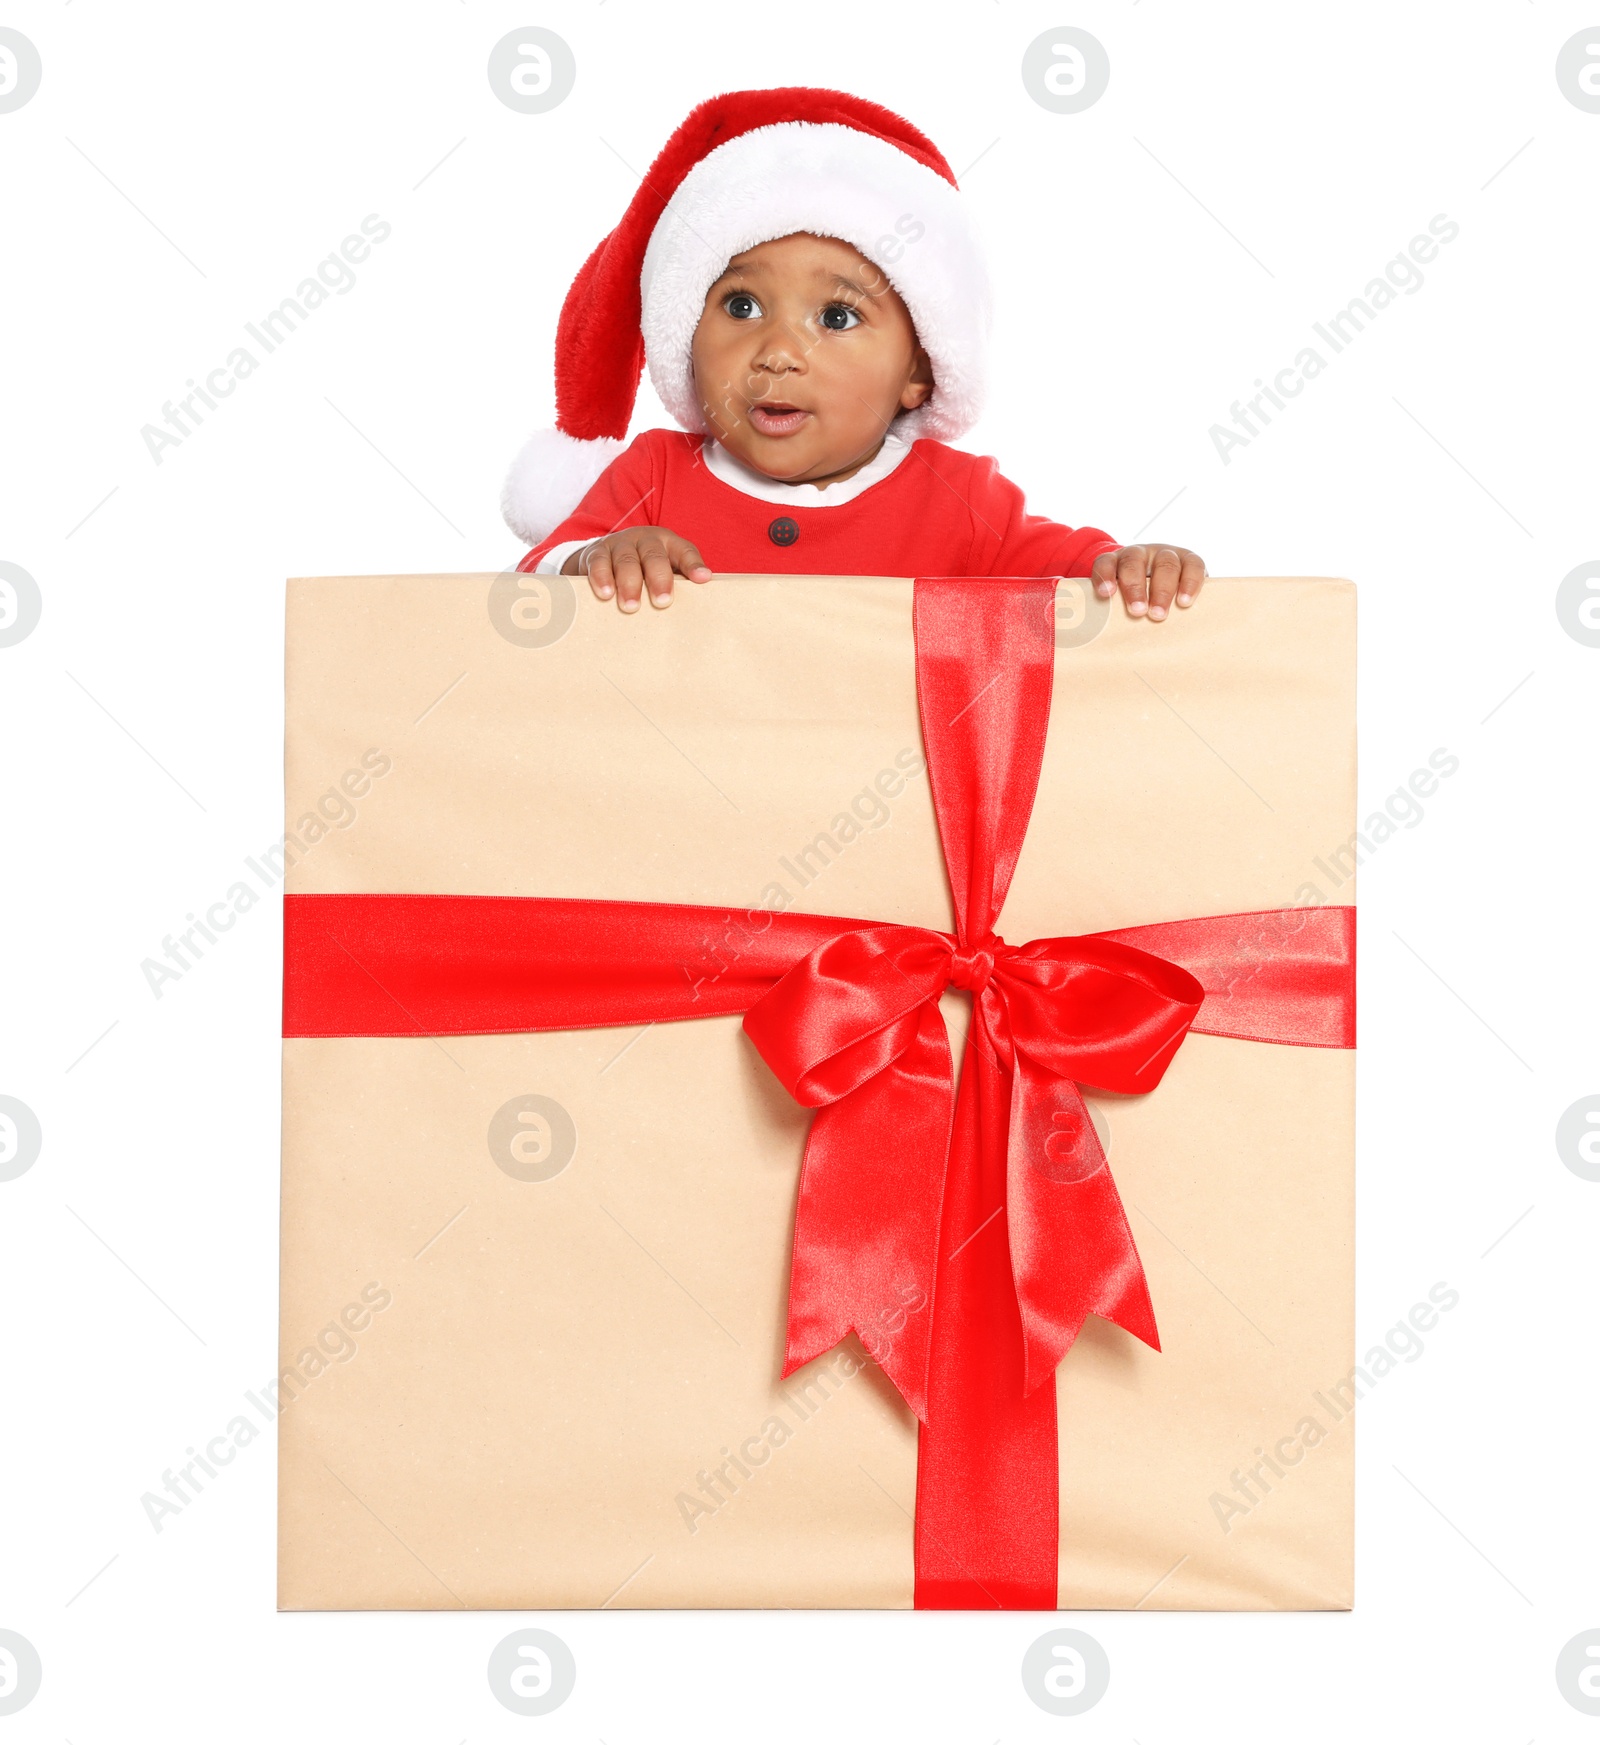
[{"x": 987, "y": 1463}]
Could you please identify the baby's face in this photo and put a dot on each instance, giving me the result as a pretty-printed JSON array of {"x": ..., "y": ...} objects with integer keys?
[{"x": 803, "y": 355}]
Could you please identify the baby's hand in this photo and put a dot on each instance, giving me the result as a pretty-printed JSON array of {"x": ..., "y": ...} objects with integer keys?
[
  {"x": 1149, "y": 576},
  {"x": 637, "y": 557}
]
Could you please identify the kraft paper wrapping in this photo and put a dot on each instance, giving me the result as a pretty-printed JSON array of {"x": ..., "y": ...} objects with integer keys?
[{"x": 510, "y": 1393}]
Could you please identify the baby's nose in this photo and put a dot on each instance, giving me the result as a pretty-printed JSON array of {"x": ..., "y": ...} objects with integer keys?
[{"x": 779, "y": 353}]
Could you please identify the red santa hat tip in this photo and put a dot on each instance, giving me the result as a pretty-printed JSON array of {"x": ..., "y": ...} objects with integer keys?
[{"x": 745, "y": 168}]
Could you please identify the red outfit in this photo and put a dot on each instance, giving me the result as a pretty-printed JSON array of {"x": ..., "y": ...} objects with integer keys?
[{"x": 940, "y": 512}]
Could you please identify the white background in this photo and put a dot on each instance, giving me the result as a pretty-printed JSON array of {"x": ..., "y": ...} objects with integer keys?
[{"x": 1249, "y": 170}]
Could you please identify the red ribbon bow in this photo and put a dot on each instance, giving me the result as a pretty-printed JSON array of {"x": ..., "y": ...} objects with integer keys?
[
  {"x": 981, "y": 1222},
  {"x": 854, "y": 1031}
]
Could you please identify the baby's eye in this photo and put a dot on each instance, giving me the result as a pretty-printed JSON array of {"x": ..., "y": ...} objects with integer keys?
[
  {"x": 840, "y": 317},
  {"x": 741, "y": 305}
]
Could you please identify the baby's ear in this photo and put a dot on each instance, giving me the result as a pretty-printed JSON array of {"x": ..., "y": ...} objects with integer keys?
[{"x": 920, "y": 383}]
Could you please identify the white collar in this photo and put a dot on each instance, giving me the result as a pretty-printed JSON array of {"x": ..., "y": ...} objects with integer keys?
[{"x": 753, "y": 484}]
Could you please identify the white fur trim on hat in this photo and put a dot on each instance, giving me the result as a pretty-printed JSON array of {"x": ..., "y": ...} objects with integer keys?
[
  {"x": 833, "y": 181},
  {"x": 550, "y": 477}
]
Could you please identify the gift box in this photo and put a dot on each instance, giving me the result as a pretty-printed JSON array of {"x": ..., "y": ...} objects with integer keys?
[{"x": 644, "y": 1241}]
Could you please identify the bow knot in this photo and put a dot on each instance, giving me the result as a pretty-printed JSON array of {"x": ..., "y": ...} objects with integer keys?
[{"x": 971, "y": 968}]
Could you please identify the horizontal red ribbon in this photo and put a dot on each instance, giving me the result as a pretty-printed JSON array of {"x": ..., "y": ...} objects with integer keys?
[{"x": 902, "y": 1182}]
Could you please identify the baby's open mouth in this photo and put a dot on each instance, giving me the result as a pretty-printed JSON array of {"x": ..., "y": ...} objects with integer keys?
[{"x": 777, "y": 417}]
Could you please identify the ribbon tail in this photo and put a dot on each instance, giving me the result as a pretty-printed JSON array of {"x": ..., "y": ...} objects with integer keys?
[
  {"x": 1072, "y": 1251},
  {"x": 867, "y": 1218}
]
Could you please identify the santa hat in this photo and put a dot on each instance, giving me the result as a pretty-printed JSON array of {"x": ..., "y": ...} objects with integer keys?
[{"x": 745, "y": 168}]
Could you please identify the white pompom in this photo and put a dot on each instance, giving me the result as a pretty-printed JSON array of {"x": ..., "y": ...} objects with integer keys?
[{"x": 550, "y": 477}]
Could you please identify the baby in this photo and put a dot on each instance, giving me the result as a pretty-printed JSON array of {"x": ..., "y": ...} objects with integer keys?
[{"x": 816, "y": 375}]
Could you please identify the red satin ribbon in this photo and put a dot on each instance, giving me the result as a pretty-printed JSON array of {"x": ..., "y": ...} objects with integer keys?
[{"x": 964, "y": 1238}]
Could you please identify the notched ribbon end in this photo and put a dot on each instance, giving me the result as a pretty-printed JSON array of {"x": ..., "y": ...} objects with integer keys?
[
  {"x": 907, "y": 1373},
  {"x": 1042, "y": 1358}
]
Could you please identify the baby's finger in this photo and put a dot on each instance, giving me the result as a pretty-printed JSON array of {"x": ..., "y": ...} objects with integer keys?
[
  {"x": 686, "y": 559},
  {"x": 1131, "y": 562},
  {"x": 1164, "y": 567},
  {"x": 1189, "y": 582},
  {"x": 630, "y": 577},
  {"x": 657, "y": 570},
  {"x": 596, "y": 560},
  {"x": 1104, "y": 574}
]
